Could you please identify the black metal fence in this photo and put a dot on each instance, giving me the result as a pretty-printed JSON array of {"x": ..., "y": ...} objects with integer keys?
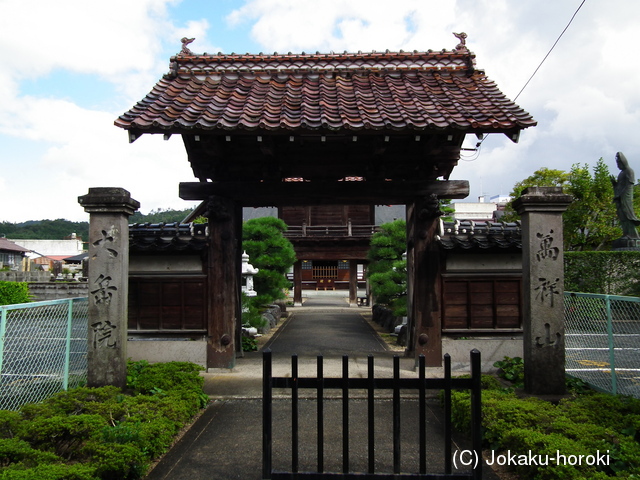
[{"x": 370, "y": 385}]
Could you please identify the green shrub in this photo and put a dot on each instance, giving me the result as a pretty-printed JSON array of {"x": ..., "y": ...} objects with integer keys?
[
  {"x": 50, "y": 472},
  {"x": 511, "y": 369},
  {"x": 14, "y": 451},
  {"x": 12, "y": 293},
  {"x": 62, "y": 435},
  {"x": 9, "y": 422},
  {"x": 249, "y": 344},
  {"x": 580, "y": 425},
  {"x": 102, "y": 433},
  {"x": 525, "y": 440},
  {"x": 82, "y": 400},
  {"x": 114, "y": 461},
  {"x": 165, "y": 376}
]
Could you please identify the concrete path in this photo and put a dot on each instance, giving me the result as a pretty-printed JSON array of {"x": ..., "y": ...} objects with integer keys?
[{"x": 226, "y": 440}]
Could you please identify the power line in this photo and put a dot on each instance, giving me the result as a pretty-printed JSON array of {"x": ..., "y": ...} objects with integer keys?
[
  {"x": 550, "y": 50},
  {"x": 479, "y": 144}
]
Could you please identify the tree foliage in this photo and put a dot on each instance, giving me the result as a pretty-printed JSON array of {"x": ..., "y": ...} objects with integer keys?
[
  {"x": 160, "y": 216},
  {"x": 44, "y": 229},
  {"x": 387, "y": 269},
  {"x": 590, "y": 222},
  {"x": 61, "y": 228},
  {"x": 272, "y": 253}
]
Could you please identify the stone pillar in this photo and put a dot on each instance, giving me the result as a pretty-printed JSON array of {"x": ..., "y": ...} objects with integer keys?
[
  {"x": 423, "y": 287},
  {"x": 543, "y": 288},
  {"x": 108, "y": 282},
  {"x": 224, "y": 272}
]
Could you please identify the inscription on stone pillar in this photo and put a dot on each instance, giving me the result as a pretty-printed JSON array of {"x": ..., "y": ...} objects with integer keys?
[
  {"x": 543, "y": 288},
  {"x": 108, "y": 278}
]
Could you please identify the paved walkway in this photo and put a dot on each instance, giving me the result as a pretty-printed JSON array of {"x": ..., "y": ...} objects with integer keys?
[{"x": 226, "y": 440}]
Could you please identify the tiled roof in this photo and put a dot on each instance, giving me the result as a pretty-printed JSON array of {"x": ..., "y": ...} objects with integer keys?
[
  {"x": 167, "y": 237},
  {"x": 470, "y": 235},
  {"x": 391, "y": 91},
  {"x": 9, "y": 246}
]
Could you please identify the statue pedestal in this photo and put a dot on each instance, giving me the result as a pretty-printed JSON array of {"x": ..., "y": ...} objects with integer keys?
[{"x": 626, "y": 243}]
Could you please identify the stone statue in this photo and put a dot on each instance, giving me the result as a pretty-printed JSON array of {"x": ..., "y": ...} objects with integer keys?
[{"x": 623, "y": 197}]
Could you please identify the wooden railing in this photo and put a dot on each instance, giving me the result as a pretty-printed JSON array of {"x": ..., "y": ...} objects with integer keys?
[{"x": 348, "y": 230}]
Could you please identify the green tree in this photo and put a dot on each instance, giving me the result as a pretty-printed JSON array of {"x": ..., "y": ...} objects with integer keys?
[
  {"x": 160, "y": 216},
  {"x": 590, "y": 221},
  {"x": 263, "y": 240},
  {"x": 544, "y": 177},
  {"x": 387, "y": 269}
]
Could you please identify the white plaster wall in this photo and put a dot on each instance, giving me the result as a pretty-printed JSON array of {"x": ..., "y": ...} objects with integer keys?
[
  {"x": 484, "y": 263},
  {"x": 52, "y": 247},
  {"x": 473, "y": 211},
  {"x": 155, "y": 351},
  {"x": 491, "y": 350}
]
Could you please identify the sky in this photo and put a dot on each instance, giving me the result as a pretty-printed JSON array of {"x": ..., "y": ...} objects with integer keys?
[{"x": 71, "y": 67}]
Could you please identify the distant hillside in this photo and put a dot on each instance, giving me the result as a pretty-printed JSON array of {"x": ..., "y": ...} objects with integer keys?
[
  {"x": 61, "y": 228},
  {"x": 44, "y": 229},
  {"x": 160, "y": 216}
]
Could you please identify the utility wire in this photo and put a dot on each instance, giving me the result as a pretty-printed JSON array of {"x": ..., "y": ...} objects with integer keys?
[
  {"x": 479, "y": 144},
  {"x": 550, "y": 50}
]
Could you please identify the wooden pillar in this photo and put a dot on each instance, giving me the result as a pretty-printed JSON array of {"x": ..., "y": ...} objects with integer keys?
[
  {"x": 224, "y": 272},
  {"x": 423, "y": 287},
  {"x": 297, "y": 283},
  {"x": 543, "y": 288},
  {"x": 353, "y": 283},
  {"x": 108, "y": 281}
]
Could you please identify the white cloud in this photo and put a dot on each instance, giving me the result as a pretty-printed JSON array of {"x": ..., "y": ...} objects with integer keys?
[
  {"x": 344, "y": 24},
  {"x": 585, "y": 97}
]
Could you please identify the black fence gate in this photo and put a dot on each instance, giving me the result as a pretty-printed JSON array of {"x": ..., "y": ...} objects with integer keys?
[{"x": 370, "y": 385}]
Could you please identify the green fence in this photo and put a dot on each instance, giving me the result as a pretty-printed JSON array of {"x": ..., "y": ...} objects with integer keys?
[
  {"x": 43, "y": 349},
  {"x": 603, "y": 341}
]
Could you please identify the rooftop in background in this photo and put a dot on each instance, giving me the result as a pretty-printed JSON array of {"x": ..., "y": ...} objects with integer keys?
[
  {"x": 480, "y": 236},
  {"x": 9, "y": 246}
]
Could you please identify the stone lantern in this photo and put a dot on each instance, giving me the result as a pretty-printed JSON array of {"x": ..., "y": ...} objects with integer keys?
[{"x": 248, "y": 271}]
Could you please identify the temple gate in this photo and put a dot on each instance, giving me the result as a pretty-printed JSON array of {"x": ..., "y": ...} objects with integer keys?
[{"x": 324, "y": 129}]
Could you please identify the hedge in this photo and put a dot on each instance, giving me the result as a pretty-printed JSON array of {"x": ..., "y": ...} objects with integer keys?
[
  {"x": 607, "y": 272},
  {"x": 582, "y": 424},
  {"x": 101, "y": 433},
  {"x": 14, "y": 292}
]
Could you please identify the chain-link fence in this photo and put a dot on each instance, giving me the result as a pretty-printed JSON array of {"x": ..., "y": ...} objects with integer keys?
[
  {"x": 603, "y": 341},
  {"x": 43, "y": 349}
]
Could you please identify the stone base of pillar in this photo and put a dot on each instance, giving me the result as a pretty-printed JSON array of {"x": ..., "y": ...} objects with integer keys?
[{"x": 626, "y": 243}]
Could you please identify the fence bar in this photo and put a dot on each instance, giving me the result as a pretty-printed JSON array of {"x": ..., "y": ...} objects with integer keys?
[
  {"x": 267, "y": 409},
  {"x": 345, "y": 414},
  {"x": 612, "y": 354},
  {"x": 423, "y": 414},
  {"x": 371, "y": 414},
  {"x": 67, "y": 346},
  {"x": 294, "y": 414},
  {"x": 320, "y": 419},
  {"x": 476, "y": 412},
  {"x": 3, "y": 330},
  {"x": 447, "y": 414},
  {"x": 396, "y": 414}
]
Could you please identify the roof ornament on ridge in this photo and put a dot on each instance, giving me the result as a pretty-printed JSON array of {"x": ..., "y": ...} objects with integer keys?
[
  {"x": 463, "y": 40},
  {"x": 185, "y": 50}
]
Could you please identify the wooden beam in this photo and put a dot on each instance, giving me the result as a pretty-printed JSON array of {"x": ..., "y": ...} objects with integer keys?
[{"x": 260, "y": 194}]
